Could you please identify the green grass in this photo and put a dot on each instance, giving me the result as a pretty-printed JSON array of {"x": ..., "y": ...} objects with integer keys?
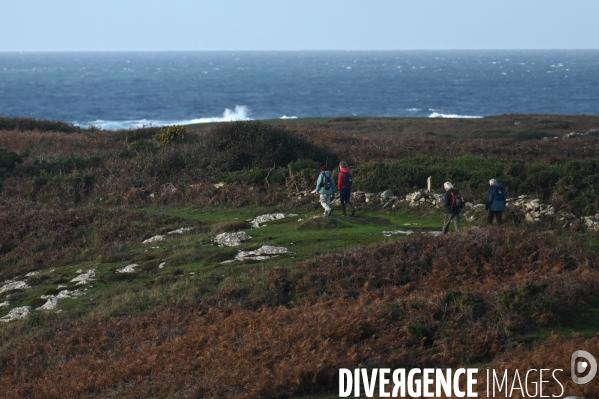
[{"x": 194, "y": 266}]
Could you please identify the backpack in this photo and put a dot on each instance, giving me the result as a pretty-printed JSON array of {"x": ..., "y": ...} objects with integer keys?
[
  {"x": 347, "y": 179},
  {"x": 499, "y": 193},
  {"x": 326, "y": 183},
  {"x": 456, "y": 200}
]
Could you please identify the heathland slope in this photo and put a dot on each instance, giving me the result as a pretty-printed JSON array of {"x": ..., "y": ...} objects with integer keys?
[{"x": 76, "y": 206}]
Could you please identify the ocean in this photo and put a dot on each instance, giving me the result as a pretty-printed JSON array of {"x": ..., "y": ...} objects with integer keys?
[{"x": 132, "y": 89}]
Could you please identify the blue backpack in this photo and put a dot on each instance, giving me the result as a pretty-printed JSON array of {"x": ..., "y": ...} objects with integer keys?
[{"x": 499, "y": 193}]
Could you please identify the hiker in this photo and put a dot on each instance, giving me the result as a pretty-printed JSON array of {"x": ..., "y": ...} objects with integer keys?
[
  {"x": 495, "y": 202},
  {"x": 453, "y": 205},
  {"x": 325, "y": 185},
  {"x": 344, "y": 183}
]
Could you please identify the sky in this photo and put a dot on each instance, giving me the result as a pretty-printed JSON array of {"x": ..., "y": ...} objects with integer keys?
[{"x": 209, "y": 25}]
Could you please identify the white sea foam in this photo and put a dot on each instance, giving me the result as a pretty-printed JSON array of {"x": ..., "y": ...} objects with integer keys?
[
  {"x": 439, "y": 115},
  {"x": 240, "y": 113}
]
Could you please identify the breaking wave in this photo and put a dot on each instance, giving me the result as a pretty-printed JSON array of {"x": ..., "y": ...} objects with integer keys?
[
  {"x": 440, "y": 115},
  {"x": 240, "y": 113}
]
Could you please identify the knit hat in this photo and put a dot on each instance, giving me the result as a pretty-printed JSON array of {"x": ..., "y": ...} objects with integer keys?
[{"x": 324, "y": 168}]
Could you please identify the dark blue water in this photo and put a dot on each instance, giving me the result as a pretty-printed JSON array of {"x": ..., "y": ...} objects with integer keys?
[{"x": 112, "y": 90}]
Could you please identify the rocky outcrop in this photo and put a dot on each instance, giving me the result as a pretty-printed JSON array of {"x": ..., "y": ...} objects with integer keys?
[
  {"x": 16, "y": 314},
  {"x": 154, "y": 239},
  {"x": 52, "y": 300},
  {"x": 14, "y": 285},
  {"x": 263, "y": 253},
  {"x": 536, "y": 211},
  {"x": 396, "y": 232},
  {"x": 256, "y": 222},
  {"x": 161, "y": 237},
  {"x": 232, "y": 239},
  {"x": 180, "y": 231},
  {"x": 84, "y": 278},
  {"x": 576, "y": 134},
  {"x": 421, "y": 198},
  {"x": 533, "y": 208},
  {"x": 591, "y": 222},
  {"x": 128, "y": 269}
]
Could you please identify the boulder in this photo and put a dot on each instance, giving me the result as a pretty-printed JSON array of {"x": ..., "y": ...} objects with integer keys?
[
  {"x": 263, "y": 253},
  {"x": 14, "y": 285},
  {"x": 84, "y": 278},
  {"x": 180, "y": 231},
  {"x": 231, "y": 239},
  {"x": 387, "y": 195},
  {"x": 154, "y": 239},
  {"x": 396, "y": 232},
  {"x": 16, "y": 313},
  {"x": 128, "y": 269},
  {"x": 266, "y": 218}
]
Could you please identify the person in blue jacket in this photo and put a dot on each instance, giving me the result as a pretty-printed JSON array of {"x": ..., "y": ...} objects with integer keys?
[
  {"x": 325, "y": 186},
  {"x": 495, "y": 202}
]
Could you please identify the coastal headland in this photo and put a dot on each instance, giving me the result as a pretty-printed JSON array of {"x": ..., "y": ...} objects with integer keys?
[{"x": 195, "y": 261}]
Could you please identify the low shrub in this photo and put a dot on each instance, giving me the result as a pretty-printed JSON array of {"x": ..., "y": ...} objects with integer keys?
[
  {"x": 246, "y": 145},
  {"x": 42, "y": 125},
  {"x": 8, "y": 160},
  {"x": 171, "y": 134}
]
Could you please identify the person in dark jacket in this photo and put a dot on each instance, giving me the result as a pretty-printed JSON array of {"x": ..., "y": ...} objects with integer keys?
[
  {"x": 451, "y": 213},
  {"x": 495, "y": 202},
  {"x": 344, "y": 184}
]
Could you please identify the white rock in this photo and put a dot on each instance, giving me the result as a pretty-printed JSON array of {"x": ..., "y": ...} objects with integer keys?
[
  {"x": 154, "y": 239},
  {"x": 220, "y": 185},
  {"x": 85, "y": 277},
  {"x": 396, "y": 232},
  {"x": 66, "y": 294},
  {"x": 434, "y": 233},
  {"x": 263, "y": 253},
  {"x": 50, "y": 304},
  {"x": 128, "y": 269},
  {"x": 32, "y": 274},
  {"x": 15, "y": 285},
  {"x": 259, "y": 257},
  {"x": 16, "y": 313},
  {"x": 180, "y": 231},
  {"x": 388, "y": 194},
  {"x": 231, "y": 239},
  {"x": 161, "y": 266},
  {"x": 4, "y": 304},
  {"x": 266, "y": 218},
  {"x": 266, "y": 250}
]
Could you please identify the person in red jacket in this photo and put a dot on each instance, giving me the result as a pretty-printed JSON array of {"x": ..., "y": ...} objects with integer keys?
[{"x": 344, "y": 184}]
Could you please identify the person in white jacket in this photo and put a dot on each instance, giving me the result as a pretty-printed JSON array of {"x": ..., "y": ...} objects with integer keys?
[{"x": 325, "y": 185}]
